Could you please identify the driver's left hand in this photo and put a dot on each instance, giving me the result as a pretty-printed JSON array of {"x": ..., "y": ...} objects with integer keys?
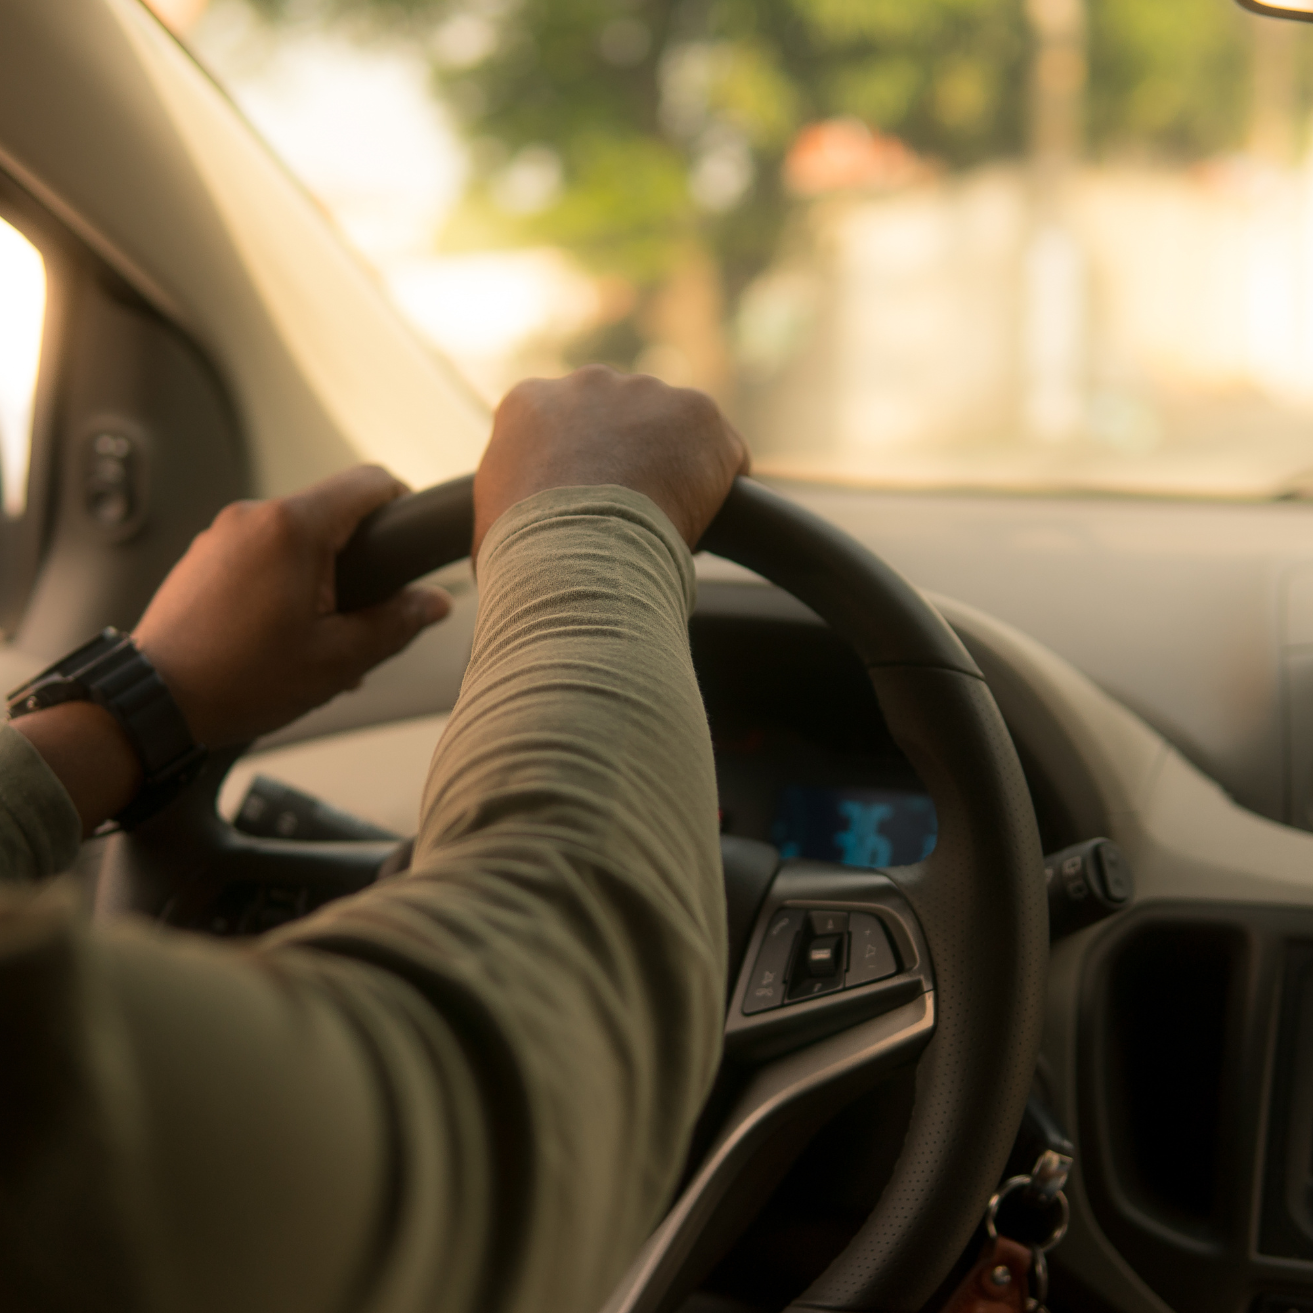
[{"x": 245, "y": 630}]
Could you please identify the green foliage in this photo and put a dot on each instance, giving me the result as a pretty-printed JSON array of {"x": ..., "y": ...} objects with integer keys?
[
  {"x": 948, "y": 77},
  {"x": 668, "y": 121},
  {"x": 643, "y": 103},
  {"x": 626, "y": 206},
  {"x": 751, "y": 89},
  {"x": 722, "y": 86},
  {"x": 1168, "y": 77}
]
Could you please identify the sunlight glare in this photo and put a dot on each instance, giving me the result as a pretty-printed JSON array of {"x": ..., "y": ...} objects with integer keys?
[
  {"x": 22, "y": 315},
  {"x": 481, "y": 309},
  {"x": 177, "y": 15},
  {"x": 359, "y": 127}
]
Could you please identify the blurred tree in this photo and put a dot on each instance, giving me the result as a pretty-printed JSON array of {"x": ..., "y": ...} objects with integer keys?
[
  {"x": 648, "y": 136},
  {"x": 1169, "y": 78}
]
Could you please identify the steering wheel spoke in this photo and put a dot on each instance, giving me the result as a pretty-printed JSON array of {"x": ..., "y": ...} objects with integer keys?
[{"x": 783, "y": 1103}]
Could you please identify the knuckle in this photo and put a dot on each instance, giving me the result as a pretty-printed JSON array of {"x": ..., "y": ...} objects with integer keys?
[
  {"x": 234, "y": 514},
  {"x": 645, "y": 382},
  {"x": 523, "y": 399},
  {"x": 699, "y": 407},
  {"x": 280, "y": 524},
  {"x": 373, "y": 479}
]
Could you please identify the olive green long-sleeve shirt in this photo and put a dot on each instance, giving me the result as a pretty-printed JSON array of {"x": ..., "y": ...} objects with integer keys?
[{"x": 470, "y": 1087}]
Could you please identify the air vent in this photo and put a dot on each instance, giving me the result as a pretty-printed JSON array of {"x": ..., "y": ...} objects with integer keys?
[
  {"x": 1287, "y": 1227},
  {"x": 1168, "y": 1003}
]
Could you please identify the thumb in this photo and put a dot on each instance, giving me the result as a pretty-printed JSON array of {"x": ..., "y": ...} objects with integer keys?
[{"x": 366, "y": 637}]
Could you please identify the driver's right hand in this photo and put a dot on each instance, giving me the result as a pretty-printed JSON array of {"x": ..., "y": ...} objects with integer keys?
[{"x": 596, "y": 426}]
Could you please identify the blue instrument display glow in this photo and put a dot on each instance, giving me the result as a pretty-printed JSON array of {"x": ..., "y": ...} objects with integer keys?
[{"x": 857, "y": 827}]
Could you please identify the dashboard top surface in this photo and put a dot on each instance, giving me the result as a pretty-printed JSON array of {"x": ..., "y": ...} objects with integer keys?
[{"x": 1196, "y": 615}]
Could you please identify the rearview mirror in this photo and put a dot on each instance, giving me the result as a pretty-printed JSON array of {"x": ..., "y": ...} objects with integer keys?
[{"x": 1299, "y": 9}]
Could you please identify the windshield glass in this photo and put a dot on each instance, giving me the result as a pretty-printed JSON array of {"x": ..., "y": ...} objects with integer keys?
[{"x": 1009, "y": 244}]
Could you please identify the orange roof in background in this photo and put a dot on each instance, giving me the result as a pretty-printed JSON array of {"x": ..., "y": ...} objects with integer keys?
[
  {"x": 845, "y": 155},
  {"x": 178, "y": 15}
]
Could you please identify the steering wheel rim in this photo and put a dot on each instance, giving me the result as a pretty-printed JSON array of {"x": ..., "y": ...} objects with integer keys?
[{"x": 980, "y": 896}]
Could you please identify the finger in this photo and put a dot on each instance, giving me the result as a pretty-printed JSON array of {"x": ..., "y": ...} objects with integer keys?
[
  {"x": 335, "y": 505},
  {"x": 361, "y": 639}
]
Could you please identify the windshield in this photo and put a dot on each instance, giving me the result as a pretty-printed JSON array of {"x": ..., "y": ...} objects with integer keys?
[{"x": 983, "y": 244}]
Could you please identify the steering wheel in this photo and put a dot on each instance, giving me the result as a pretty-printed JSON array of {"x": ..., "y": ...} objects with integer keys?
[{"x": 966, "y": 928}]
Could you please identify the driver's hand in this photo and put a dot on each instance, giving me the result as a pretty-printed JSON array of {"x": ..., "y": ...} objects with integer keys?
[
  {"x": 245, "y": 630},
  {"x": 596, "y": 426}
]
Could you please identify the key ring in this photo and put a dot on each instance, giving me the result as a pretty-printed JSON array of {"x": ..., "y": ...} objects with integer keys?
[
  {"x": 1010, "y": 1186},
  {"x": 1042, "y": 1187}
]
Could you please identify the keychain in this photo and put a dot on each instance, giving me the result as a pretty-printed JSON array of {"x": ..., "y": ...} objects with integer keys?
[{"x": 1040, "y": 1192}]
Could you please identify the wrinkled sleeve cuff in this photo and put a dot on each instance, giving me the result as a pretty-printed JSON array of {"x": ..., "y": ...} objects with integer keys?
[
  {"x": 40, "y": 829},
  {"x": 605, "y": 500}
]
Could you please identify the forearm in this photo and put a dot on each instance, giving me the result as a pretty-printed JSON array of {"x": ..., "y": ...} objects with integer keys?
[
  {"x": 471, "y": 1087},
  {"x": 580, "y": 719},
  {"x": 566, "y": 903}
]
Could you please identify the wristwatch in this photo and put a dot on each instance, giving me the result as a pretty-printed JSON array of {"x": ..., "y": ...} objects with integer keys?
[{"x": 111, "y": 671}]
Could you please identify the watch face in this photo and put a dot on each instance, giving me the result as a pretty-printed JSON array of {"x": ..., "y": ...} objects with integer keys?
[{"x": 62, "y": 681}]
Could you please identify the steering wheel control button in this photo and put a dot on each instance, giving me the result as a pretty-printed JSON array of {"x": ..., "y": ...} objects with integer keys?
[
  {"x": 770, "y": 975},
  {"x": 828, "y": 923},
  {"x": 811, "y": 987},
  {"x": 872, "y": 957},
  {"x": 824, "y": 955}
]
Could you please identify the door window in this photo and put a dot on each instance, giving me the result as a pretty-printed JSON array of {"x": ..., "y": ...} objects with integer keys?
[{"x": 22, "y": 319}]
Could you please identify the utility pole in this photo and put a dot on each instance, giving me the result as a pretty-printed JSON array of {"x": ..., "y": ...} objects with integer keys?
[
  {"x": 1054, "y": 297},
  {"x": 1057, "y": 83},
  {"x": 1274, "y": 107}
]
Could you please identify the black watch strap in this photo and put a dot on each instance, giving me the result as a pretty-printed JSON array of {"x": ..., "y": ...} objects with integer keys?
[{"x": 111, "y": 671}]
